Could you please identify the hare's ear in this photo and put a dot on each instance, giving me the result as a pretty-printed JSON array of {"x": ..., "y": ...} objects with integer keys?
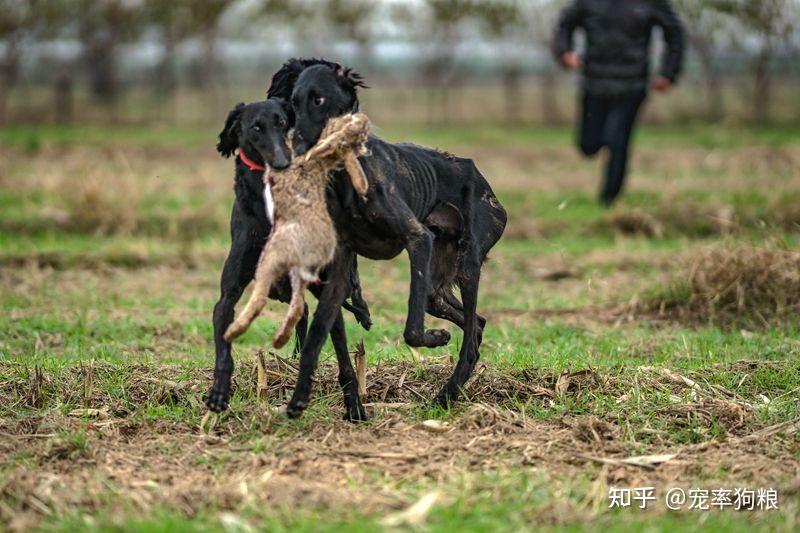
[{"x": 229, "y": 136}]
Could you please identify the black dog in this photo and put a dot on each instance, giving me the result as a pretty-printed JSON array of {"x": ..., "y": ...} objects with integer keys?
[
  {"x": 259, "y": 131},
  {"x": 436, "y": 206}
]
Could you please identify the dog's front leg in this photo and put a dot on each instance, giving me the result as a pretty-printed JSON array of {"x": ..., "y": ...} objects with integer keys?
[
  {"x": 329, "y": 307},
  {"x": 240, "y": 266}
]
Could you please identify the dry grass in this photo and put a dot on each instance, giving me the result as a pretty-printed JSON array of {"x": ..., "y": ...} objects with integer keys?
[
  {"x": 685, "y": 217},
  {"x": 135, "y": 191},
  {"x": 94, "y": 205},
  {"x": 736, "y": 284},
  {"x": 636, "y": 222}
]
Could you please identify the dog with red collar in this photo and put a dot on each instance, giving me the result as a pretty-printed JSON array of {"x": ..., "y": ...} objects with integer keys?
[{"x": 257, "y": 134}]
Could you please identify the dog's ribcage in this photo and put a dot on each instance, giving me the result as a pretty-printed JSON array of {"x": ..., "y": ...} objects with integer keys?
[{"x": 411, "y": 169}]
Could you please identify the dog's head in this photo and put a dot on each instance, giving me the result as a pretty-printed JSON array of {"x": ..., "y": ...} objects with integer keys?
[
  {"x": 319, "y": 90},
  {"x": 258, "y": 128}
]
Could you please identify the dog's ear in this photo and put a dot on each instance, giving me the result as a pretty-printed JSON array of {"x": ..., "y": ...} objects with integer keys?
[
  {"x": 349, "y": 82},
  {"x": 287, "y": 108},
  {"x": 283, "y": 81},
  {"x": 351, "y": 78},
  {"x": 229, "y": 136}
]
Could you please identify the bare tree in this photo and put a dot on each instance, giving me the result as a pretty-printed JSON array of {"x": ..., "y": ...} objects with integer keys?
[
  {"x": 173, "y": 21},
  {"x": 771, "y": 22},
  {"x": 539, "y": 20},
  {"x": 205, "y": 19},
  {"x": 704, "y": 30},
  {"x": 503, "y": 20},
  {"x": 15, "y": 21},
  {"x": 23, "y": 22},
  {"x": 352, "y": 19},
  {"x": 102, "y": 26},
  {"x": 442, "y": 24}
]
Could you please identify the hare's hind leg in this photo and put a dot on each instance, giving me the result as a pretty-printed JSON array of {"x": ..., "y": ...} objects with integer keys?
[
  {"x": 296, "y": 308},
  {"x": 270, "y": 268}
]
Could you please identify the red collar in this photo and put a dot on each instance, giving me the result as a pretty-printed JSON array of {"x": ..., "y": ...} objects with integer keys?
[{"x": 249, "y": 163}]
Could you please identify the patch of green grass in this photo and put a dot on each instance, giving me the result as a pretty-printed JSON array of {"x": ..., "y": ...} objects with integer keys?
[{"x": 33, "y": 137}]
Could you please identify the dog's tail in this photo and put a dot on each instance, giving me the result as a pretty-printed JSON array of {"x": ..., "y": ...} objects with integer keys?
[
  {"x": 296, "y": 308},
  {"x": 269, "y": 269}
]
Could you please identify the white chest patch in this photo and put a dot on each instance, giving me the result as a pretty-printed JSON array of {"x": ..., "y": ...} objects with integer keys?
[{"x": 269, "y": 203}]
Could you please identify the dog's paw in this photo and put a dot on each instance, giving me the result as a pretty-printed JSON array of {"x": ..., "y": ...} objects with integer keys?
[
  {"x": 365, "y": 320},
  {"x": 355, "y": 412},
  {"x": 447, "y": 396},
  {"x": 433, "y": 338},
  {"x": 217, "y": 400},
  {"x": 436, "y": 337},
  {"x": 295, "y": 409}
]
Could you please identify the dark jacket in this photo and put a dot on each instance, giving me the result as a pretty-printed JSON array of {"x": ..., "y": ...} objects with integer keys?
[{"x": 617, "y": 58}]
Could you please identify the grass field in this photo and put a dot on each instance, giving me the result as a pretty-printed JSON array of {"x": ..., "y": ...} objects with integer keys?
[{"x": 612, "y": 334}]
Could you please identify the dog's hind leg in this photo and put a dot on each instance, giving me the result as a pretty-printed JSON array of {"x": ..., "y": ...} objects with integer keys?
[
  {"x": 270, "y": 268},
  {"x": 443, "y": 304},
  {"x": 450, "y": 299},
  {"x": 297, "y": 307},
  {"x": 487, "y": 220},
  {"x": 354, "y": 410},
  {"x": 358, "y": 305},
  {"x": 468, "y": 356},
  {"x": 447, "y": 224},
  {"x": 468, "y": 281}
]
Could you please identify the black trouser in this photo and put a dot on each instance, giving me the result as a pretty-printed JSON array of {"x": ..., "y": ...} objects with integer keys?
[{"x": 608, "y": 121}]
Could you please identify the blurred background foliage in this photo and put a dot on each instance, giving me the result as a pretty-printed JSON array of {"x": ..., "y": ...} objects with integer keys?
[{"x": 433, "y": 61}]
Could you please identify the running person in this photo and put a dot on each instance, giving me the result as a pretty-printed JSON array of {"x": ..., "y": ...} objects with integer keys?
[{"x": 616, "y": 69}]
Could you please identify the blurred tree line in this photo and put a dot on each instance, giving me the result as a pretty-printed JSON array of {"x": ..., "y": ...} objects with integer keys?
[{"x": 751, "y": 36}]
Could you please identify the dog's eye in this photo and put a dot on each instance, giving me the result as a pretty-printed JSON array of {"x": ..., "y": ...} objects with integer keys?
[
  {"x": 282, "y": 123},
  {"x": 319, "y": 100},
  {"x": 256, "y": 128}
]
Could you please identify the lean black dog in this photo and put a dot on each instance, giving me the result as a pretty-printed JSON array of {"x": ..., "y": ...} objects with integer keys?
[
  {"x": 258, "y": 131},
  {"x": 436, "y": 206}
]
